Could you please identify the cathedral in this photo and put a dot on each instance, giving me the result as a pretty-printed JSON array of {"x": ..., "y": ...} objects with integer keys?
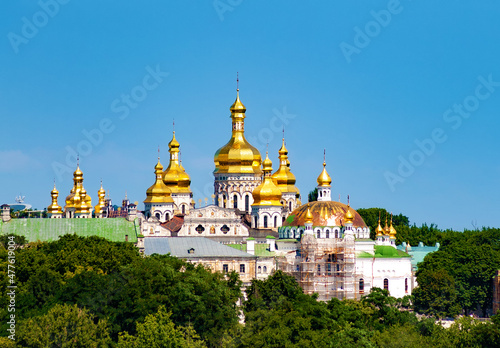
[{"x": 324, "y": 244}]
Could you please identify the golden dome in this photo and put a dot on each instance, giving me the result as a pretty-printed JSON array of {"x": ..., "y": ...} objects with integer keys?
[
  {"x": 348, "y": 217},
  {"x": 158, "y": 192},
  {"x": 175, "y": 177},
  {"x": 74, "y": 199},
  {"x": 309, "y": 217},
  {"x": 324, "y": 180},
  {"x": 54, "y": 208},
  {"x": 392, "y": 230},
  {"x": 267, "y": 193},
  {"x": 325, "y": 213},
  {"x": 387, "y": 230},
  {"x": 283, "y": 177},
  {"x": 101, "y": 204},
  {"x": 237, "y": 156}
]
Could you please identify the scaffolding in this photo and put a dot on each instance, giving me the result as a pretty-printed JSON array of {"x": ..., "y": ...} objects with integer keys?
[{"x": 325, "y": 267}]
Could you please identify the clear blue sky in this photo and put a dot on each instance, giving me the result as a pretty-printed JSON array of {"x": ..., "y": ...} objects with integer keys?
[{"x": 367, "y": 80}]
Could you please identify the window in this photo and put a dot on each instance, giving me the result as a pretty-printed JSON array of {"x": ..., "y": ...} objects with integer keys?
[
  {"x": 406, "y": 284},
  {"x": 256, "y": 220},
  {"x": 265, "y": 269},
  {"x": 329, "y": 268},
  {"x": 157, "y": 216},
  {"x": 319, "y": 269},
  {"x": 265, "y": 221},
  {"x": 235, "y": 201},
  {"x": 225, "y": 268},
  {"x": 361, "y": 286},
  {"x": 224, "y": 229},
  {"x": 327, "y": 234},
  {"x": 167, "y": 217},
  {"x": 242, "y": 268},
  {"x": 318, "y": 234},
  {"x": 290, "y": 206},
  {"x": 386, "y": 284},
  {"x": 247, "y": 203},
  {"x": 275, "y": 221},
  {"x": 259, "y": 269},
  {"x": 200, "y": 229},
  {"x": 183, "y": 209}
]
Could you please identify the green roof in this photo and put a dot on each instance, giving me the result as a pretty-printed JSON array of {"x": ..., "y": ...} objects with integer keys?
[
  {"x": 384, "y": 252},
  {"x": 46, "y": 230},
  {"x": 260, "y": 249}
]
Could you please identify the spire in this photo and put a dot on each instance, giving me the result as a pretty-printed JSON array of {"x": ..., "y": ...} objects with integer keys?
[
  {"x": 386, "y": 227},
  {"x": 309, "y": 218},
  {"x": 283, "y": 177},
  {"x": 158, "y": 192},
  {"x": 348, "y": 216}
]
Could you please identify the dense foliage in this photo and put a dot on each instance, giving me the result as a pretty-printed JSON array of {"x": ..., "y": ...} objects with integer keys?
[{"x": 89, "y": 292}]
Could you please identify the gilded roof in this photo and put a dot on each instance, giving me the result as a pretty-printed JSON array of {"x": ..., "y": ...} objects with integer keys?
[
  {"x": 325, "y": 213},
  {"x": 237, "y": 156}
]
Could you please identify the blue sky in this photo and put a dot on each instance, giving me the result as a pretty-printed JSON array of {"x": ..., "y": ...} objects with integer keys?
[{"x": 403, "y": 95}]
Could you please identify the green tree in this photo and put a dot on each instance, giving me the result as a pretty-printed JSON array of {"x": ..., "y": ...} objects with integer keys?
[
  {"x": 159, "y": 331},
  {"x": 436, "y": 294},
  {"x": 313, "y": 195},
  {"x": 63, "y": 326}
]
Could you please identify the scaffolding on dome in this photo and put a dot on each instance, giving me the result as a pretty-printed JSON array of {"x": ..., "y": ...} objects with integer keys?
[{"x": 325, "y": 267}]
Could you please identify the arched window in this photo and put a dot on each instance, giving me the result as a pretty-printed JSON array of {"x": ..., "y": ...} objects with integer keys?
[
  {"x": 235, "y": 201},
  {"x": 259, "y": 269},
  {"x": 386, "y": 284},
  {"x": 290, "y": 206},
  {"x": 406, "y": 284},
  {"x": 361, "y": 286},
  {"x": 275, "y": 221},
  {"x": 318, "y": 234},
  {"x": 247, "y": 203},
  {"x": 157, "y": 216},
  {"x": 256, "y": 220},
  {"x": 265, "y": 221},
  {"x": 327, "y": 234},
  {"x": 265, "y": 269},
  {"x": 183, "y": 209},
  {"x": 167, "y": 217}
]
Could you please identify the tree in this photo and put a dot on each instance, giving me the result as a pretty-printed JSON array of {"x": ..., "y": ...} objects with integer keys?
[
  {"x": 313, "y": 195},
  {"x": 63, "y": 326},
  {"x": 159, "y": 331},
  {"x": 436, "y": 294}
]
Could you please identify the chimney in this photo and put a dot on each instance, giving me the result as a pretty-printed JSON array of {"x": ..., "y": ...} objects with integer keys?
[
  {"x": 251, "y": 245},
  {"x": 272, "y": 243}
]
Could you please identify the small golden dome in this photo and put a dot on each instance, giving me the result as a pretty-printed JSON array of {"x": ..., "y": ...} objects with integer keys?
[
  {"x": 54, "y": 208},
  {"x": 309, "y": 217},
  {"x": 267, "y": 164},
  {"x": 158, "y": 192},
  {"x": 387, "y": 230},
  {"x": 237, "y": 105},
  {"x": 101, "y": 204},
  {"x": 283, "y": 177},
  {"x": 78, "y": 196},
  {"x": 267, "y": 193},
  {"x": 392, "y": 230},
  {"x": 175, "y": 177},
  {"x": 237, "y": 156},
  {"x": 348, "y": 217},
  {"x": 324, "y": 180}
]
